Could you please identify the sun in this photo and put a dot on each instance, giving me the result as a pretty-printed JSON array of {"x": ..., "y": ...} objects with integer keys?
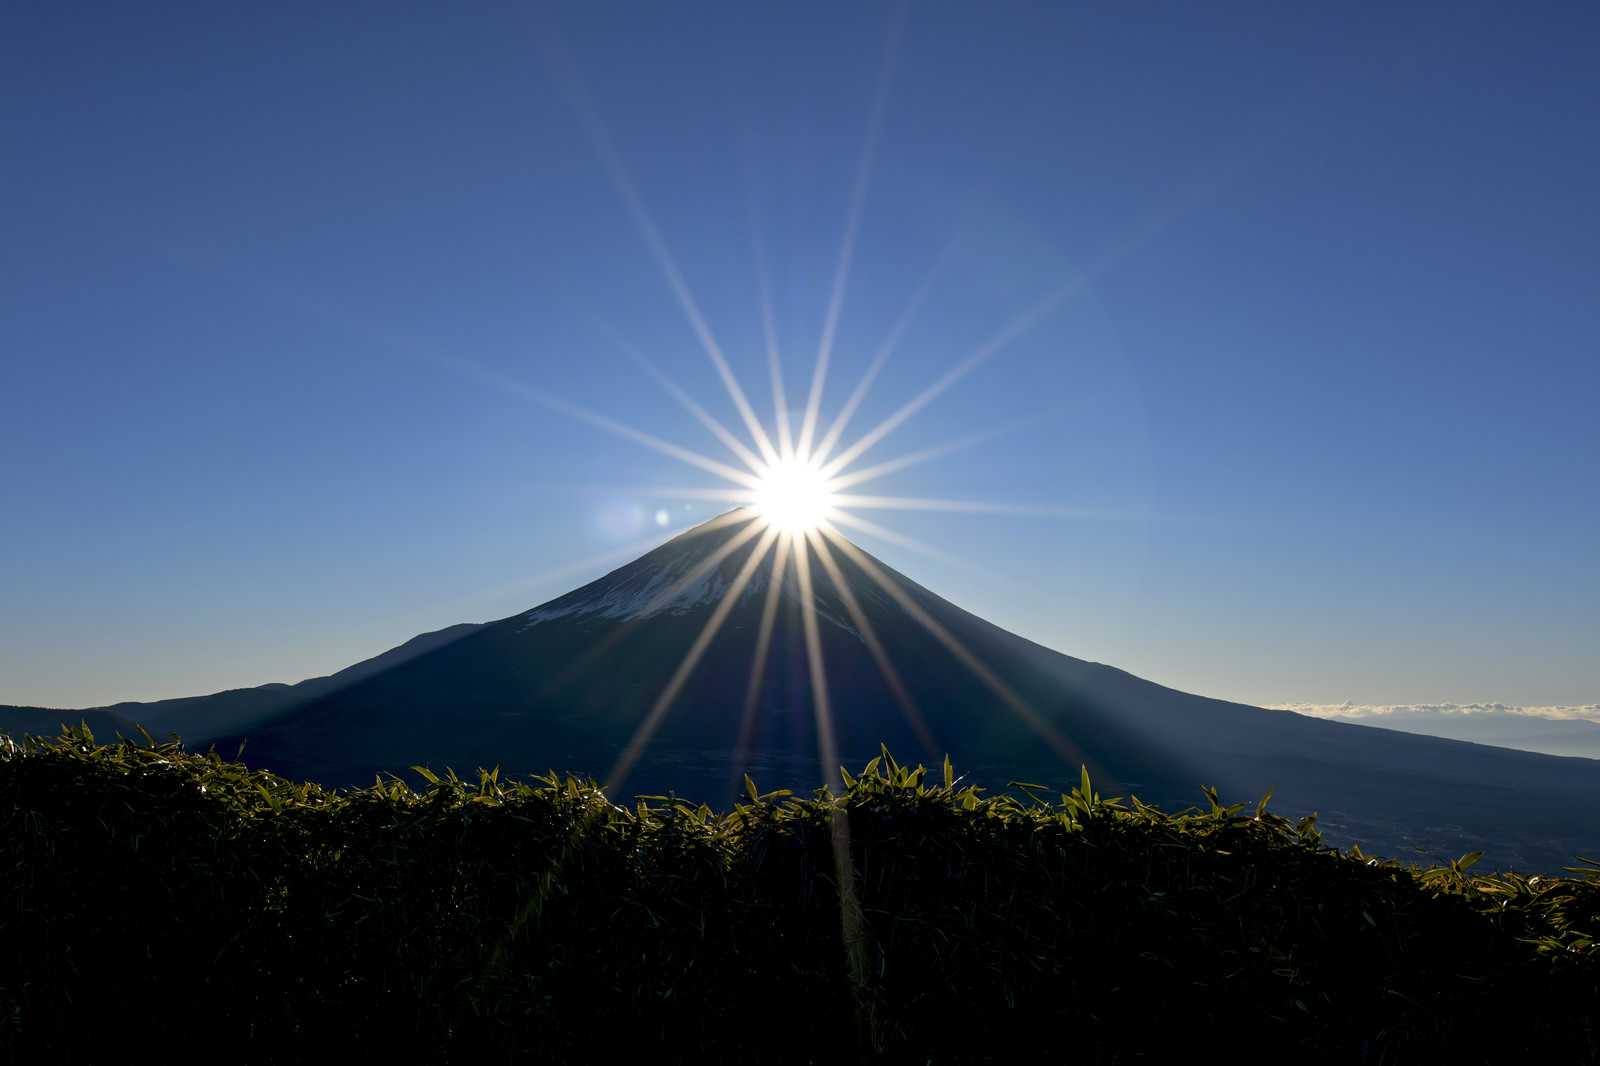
[{"x": 794, "y": 496}]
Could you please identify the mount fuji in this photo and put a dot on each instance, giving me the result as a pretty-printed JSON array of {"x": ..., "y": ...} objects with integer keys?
[
  {"x": 570, "y": 684},
  {"x": 715, "y": 656}
]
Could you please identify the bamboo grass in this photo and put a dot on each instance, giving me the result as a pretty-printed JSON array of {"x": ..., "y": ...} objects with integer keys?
[{"x": 484, "y": 919}]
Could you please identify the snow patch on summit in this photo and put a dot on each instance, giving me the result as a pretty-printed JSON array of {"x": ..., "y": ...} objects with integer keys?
[
  {"x": 697, "y": 571},
  {"x": 642, "y": 595},
  {"x": 677, "y": 584}
]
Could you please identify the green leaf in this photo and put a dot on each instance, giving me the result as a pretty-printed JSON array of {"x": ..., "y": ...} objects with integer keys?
[{"x": 272, "y": 801}]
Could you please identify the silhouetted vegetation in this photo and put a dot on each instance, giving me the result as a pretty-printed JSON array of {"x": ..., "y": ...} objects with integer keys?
[{"x": 147, "y": 890}]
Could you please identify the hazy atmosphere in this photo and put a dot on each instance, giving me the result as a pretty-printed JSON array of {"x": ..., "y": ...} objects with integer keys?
[{"x": 1253, "y": 350}]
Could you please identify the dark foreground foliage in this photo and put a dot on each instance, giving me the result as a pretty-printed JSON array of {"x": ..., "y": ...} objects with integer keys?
[{"x": 145, "y": 890}]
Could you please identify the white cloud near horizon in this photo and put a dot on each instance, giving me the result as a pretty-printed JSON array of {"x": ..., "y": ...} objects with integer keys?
[{"x": 1590, "y": 711}]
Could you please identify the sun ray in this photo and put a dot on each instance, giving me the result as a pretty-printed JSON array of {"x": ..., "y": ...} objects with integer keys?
[
  {"x": 982, "y": 354},
  {"x": 1063, "y": 745},
  {"x": 611, "y": 161},
  {"x": 609, "y": 639},
  {"x": 837, "y": 502},
  {"x": 709, "y": 563},
  {"x": 780, "y": 400},
  {"x": 844, "y": 518},
  {"x": 915, "y": 503},
  {"x": 863, "y": 474},
  {"x": 821, "y": 704},
  {"x": 669, "y": 694},
  {"x": 890, "y": 345},
  {"x": 817, "y": 543},
  {"x": 592, "y": 816},
  {"x": 611, "y": 425},
  {"x": 689, "y": 403},
  {"x": 758, "y": 667},
  {"x": 831, "y": 439},
  {"x": 769, "y": 327},
  {"x": 858, "y": 198},
  {"x": 844, "y": 481}
]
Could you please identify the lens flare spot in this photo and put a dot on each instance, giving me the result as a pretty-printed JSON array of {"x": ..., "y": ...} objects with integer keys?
[{"x": 794, "y": 495}]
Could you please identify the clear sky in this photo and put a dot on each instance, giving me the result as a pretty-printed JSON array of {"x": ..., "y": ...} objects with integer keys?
[{"x": 1287, "y": 321}]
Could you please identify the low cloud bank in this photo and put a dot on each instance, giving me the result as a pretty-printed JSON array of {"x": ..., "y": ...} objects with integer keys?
[
  {"x": 1590, "y": 711},
  {"x": 1550, "y": 730}
]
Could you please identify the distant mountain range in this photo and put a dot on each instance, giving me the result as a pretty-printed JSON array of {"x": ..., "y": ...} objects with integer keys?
[{"x": 693, "y": 666}]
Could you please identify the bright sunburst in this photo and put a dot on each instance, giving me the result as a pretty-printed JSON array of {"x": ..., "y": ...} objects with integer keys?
[
  {"x": 798, "y": 472},
  {"x": 795, "y": 495}
]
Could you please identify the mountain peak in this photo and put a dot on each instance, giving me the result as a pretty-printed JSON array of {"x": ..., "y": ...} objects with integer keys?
[{"x": 701, "y": 567}]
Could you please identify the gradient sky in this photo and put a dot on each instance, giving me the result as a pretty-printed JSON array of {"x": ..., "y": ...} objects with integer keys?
[{"x": 1300, "y": 312}]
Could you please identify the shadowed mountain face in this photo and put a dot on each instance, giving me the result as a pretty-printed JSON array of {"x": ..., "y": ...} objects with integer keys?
[{"x": 579, "y": 685}]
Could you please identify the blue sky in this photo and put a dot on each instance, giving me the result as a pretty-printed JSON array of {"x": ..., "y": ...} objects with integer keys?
[{"x": 1294, "y": 399}]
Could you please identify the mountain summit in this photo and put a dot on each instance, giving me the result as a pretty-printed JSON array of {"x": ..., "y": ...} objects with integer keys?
[
  {"x": 699, "y": 568},
  {"x": 731, "y": 650}
]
